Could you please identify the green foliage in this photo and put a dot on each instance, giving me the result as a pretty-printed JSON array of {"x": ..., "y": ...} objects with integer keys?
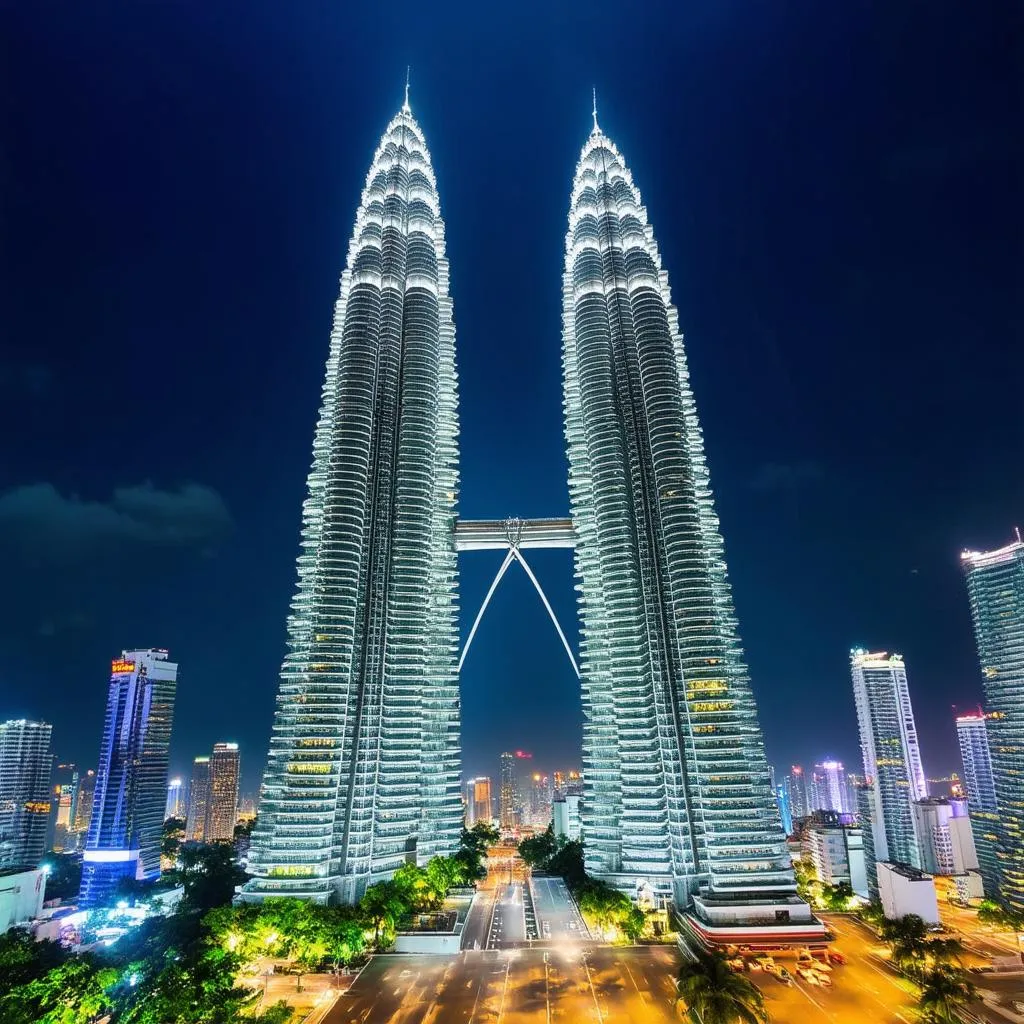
[
  {"x": 610, "y": 909},
  {"x": 74, "y": 992},
  {"x": 244, "y": 829},
  {"x": 993, "y": 914},
  {"x": 65, "y": 877},
  {"x": 384, "y": 905},
  {"x": 837, "y": 897},
  {"x": 279, "y": 1013},
  {"x": 22, "y": 959},
  {"x": 536, "y": 851},
  {"x": 944, "y": 993},
  {"x": 710, "y": 993},
  {"x": 172, "y": 838},
  {"x": 209, "y": 874}
]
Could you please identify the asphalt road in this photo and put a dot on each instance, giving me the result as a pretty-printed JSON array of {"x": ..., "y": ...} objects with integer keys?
[
  {"x": 557, "y": 915},
  {"x": 508, "y": 922}
]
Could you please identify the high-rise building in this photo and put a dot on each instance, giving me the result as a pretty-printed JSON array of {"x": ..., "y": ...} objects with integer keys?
[
  {"x": 828, "y": 785},
  {"x": 175, "y": 807},
  {"x": 944, "y": 836},
  {"x": 676, "y": 788},
  {"x": 869, "y": 820},
  {"x": 785, "y": 808},
  {"x": 363, "y": 770},
  {"x": 478, "y": 800},
  {"x": 565, "y": 816},
  {"x": 222, "y": 807},
  {"x": 131, "y": 782},
  {"x": 25, "y": 798},
  {"x": 507, "y": 810},
  {"x": 64, "y": 839},
  {"x": 980, "y": 789},
  {"x": 83, "y": 803},
  {"x": 198, "y": 800},
  {"x": 995, "y": 586},
  {"x": 799, "y": 798},
  {"x": 837, "y": 853},
  {"x": 892, "y": 757}
]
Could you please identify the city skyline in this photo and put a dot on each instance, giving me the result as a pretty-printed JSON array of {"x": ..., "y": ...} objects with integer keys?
[{"x": 787, "y": 462}]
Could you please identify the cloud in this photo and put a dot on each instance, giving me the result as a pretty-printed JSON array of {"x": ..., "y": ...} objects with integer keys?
[
  {"x": 786, "y": 476},
  {"x": 44, "y": 525}
]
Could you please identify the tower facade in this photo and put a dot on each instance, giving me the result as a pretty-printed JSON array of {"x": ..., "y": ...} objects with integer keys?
[
  {"x": 198, "y": 800},
  {"x": 363, "y": 769},
  {"x": 131, "y": 782},
  {"x": 222, "y": 809},
  {"x": 980, "y": 786},
  {"x": 995, "y": 586},
  {"x": 676, "y": 788},
  {"x": 891, "y": 753},
  {"x": 25, "y": 798}
]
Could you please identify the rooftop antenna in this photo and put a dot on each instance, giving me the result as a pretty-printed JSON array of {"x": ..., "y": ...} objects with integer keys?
[
  {"x": 596, "y": 129},
  {"x": 1016, "y": 530},
  {"x": 405, "y": 105}
]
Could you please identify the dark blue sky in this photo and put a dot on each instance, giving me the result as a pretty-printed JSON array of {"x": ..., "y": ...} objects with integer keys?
[{"x": 837, "y": 192}]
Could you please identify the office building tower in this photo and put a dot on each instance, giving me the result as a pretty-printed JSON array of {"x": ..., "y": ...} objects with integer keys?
[
  {"x": 944, "y": 836},
  {"x": 25, "y": 798},
  {"x": 892, "y": 757},
  {"x": 869, "y": 820},
  {"x": 507, "y": 794},
  {"x": 364, "y": 764},
  {"x": 829, "y": 787},
  {"x": 671, "y": 742},
  {"x": 785, "y": 808},
  {"x": 64, "y": 796},
  {"x": 995, "y": 586},
  {"x": 478, "y": 801},
  {"x": 798, "y": 796},
  {"x": 83, "y": 803},
  {"x": 198, "y": 801},
  {"x": 175, "y": 807},
  {"x": 222, "y": 804},
  {"x": 980, "y": 790},
  {"x": 131, "y": 782},
  {"x": 565, "y": 816}
]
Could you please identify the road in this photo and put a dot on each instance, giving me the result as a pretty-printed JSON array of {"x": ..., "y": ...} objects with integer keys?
[
  {"x": 558, "y": 917},
  {"x": 508, "y": 922}
]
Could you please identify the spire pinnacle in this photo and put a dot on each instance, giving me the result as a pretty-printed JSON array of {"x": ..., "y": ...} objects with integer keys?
[
  {"x": 596, "y": 128},
  {"x": 405, "y": 105}
]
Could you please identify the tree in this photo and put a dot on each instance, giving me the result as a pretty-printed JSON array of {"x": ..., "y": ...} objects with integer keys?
[
  {"x": 22, "y": 959},
  {"x": 75, "y": 992},
  {"x": 907, "y": 939},
  {"x": 536, "y": 851},
  {"x": 383, "y": 906},
  {"x": 993, "y": 914},
  {"x": 209, "y": 874},
  {"x": 943, "y": 994},
  {"x": 65, "y": 875},
  {"x": 837, "y": 897},
  {"x": 172, "y": 838},
  {"x": 711, "y": 993},
  {"x": 943, "y": 952}
]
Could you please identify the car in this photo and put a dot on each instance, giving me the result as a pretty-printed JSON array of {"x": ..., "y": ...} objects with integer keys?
[
  {"x": 824, "y": 980},
  {"x": 836, "y": 957},
  {"x": 809, "y": 976},
  {"x": 785, "y": 977},
  {"x": 821, "y": 965}
]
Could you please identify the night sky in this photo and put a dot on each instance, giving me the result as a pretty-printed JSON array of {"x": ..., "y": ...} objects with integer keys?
[{"x": 837, "y": 192}]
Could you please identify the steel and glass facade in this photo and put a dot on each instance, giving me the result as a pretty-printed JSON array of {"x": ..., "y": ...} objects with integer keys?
[
  {"x": 131, "y": 783},
  {"x": 995, "y": 586},
  {"x": 891, "y": 753},
  {"x": 363, "y": 769},
  {"x": 676, "y": 787},
  {"x": 26, "y": 802},
  {"x": 980, "y": 786}
]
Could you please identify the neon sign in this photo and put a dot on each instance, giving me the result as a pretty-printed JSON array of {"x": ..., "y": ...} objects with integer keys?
[{"x": 117, "y": 667}]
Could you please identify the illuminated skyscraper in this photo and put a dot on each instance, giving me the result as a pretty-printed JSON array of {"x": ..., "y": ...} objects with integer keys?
[
  {"x": 892, "y": 757},
  {"x": 64, "y": 839},
  {"x": 131, "y": 783},
  {"x": 829, "y": 788},
  {"x": 980, "y": 788},
  {"x": 222, "y": 808},
  {"x": 798, "y": 796},
  {"x": 363, "y": 770},
  {"x": 25, "y": 797},
  {"x": 507, "y": 794},
  {"x": 175, "y": 806},
  {"x": 676, "y": 790},
  {"x": 198, "y": 800},
  {"x": 995, "y": 586},
  {"x": 478, "y": 801},
  {"x": 83, "y": 802}
]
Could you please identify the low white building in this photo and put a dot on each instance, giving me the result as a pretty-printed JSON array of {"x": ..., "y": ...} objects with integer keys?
[
  {"x": 905, "y": 890},
  {"x": 565, "y": 816},
  {"x": 22, "y": 891},
  {"x": 837, "y": 853},
  {"x": 944, "y": 836}
]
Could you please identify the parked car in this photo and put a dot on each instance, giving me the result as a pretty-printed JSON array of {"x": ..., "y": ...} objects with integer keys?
[
  {"x": 824, "y": 979},
  {"x": 836, "y": 957},
  {"x": 784, "y": 976},
  {"x": 808, "y": 975},
  {"x": 821, "y": 965}
]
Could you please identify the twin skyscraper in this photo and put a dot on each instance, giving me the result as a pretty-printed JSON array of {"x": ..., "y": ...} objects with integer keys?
[{"x": 363, "y": 772}]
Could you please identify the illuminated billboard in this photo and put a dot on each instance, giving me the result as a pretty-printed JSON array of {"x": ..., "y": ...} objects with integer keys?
[{"x": 120, "y": 667}]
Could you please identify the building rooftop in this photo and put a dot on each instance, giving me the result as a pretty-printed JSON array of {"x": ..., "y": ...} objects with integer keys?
[{"x": 907, "y": 871}]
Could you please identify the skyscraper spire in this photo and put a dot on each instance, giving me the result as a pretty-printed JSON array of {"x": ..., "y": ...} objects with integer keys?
[
  {"x": 406, "y": 109},
  {"x": 595, "y": 128}
]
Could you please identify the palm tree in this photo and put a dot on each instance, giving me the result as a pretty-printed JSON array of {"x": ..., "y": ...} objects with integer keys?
[
  {"x": 943, "y": 952},
  {"x": 907, "y": 938},
  {"x": 943, "y": 994},
  {"x": 711, "y": 993}
]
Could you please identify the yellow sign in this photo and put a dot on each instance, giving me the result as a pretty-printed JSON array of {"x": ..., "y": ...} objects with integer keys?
[{"x": 117, "y": 667}]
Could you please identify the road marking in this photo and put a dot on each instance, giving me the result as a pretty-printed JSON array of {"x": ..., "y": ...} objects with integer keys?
[
  {"x": 547, "y": 989},
  {"x": 643, "y": 998},
  {"x": 810, "y": 998},
  {"x": 593, "y": 991},
  {"x": 504, "y": 990}
]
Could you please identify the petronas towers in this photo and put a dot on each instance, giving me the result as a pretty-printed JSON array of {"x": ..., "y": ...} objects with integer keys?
[{"x": 363, "y": 770}]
